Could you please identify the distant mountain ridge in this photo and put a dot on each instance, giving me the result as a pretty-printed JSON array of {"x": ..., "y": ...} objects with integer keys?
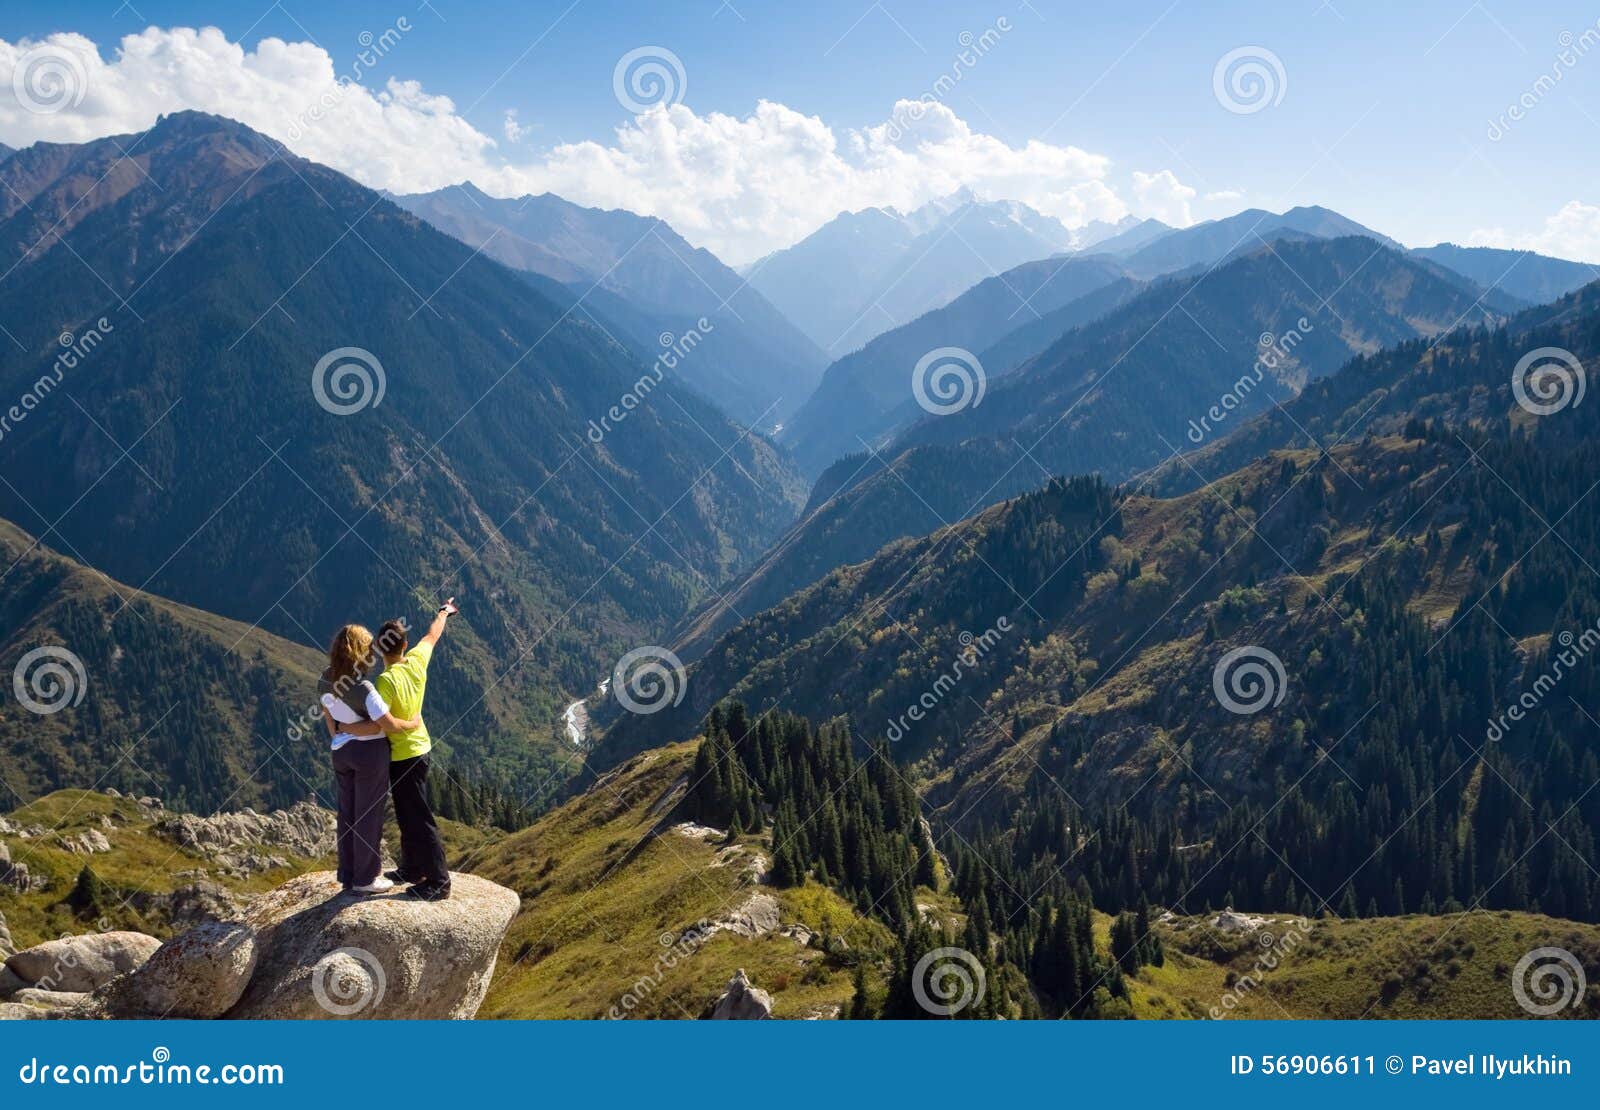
[
  {"x": 753, "y": 363},
  {"x": 865, "y": 396},
  {"x": 864, "y": 273}
]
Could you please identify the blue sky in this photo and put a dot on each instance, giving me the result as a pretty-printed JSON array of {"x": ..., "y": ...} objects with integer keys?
[{"x": 1385, "y": 109}]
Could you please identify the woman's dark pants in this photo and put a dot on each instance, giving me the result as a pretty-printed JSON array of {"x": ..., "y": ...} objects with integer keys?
[{"x": 361, "y": 768}]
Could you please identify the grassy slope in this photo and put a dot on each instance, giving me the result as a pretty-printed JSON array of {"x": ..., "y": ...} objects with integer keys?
[
  {"x": 604, "y": 902},
  {"x": 1417, "y": 966}
]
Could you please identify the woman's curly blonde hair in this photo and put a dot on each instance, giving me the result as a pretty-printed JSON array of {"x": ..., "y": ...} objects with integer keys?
[{"x": 350, "y": 654}]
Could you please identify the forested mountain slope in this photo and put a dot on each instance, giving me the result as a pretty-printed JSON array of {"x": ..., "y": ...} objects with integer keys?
[{"x": 465, "y": 449}]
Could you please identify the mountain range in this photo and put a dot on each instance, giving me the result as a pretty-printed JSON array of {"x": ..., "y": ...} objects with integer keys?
[
  {"x": 305, "y": 406},
  {"x": 639, "y": 279},
  {"x": 864, "y": 273},
  {"x": 1113, "y": 396}
]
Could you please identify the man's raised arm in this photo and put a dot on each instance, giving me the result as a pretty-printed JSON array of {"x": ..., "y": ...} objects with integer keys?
[{"x": 436, "y": 629}]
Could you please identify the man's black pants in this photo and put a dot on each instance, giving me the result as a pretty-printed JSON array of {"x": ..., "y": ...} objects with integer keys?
[{"x": 421, "y": 850}]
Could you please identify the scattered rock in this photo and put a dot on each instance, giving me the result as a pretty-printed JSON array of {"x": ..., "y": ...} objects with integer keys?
[
  {"x": 1229, "y": 922},
  {"x": 199, "y": 974},
  {"x": 248, "y": 842},
  {"x": 799, "y": 933},
  {"x": 323, "y": 954},
  {"x": 86, "y": 843},
  {"x": 756, "y": 917},
  {"x": 15, "y": 875},
  {"x": 6, "y": 945},
  {"x": 84, "y": 963},
  {"x": 742, "y": 1001},
  {"x": 10, "y": 1011},
  {"x": 112, "y": 792},
  {"x": 699, "y": 832},
  {"x": 62, "y": 1001},
  {"x": 10, "y": 983}
]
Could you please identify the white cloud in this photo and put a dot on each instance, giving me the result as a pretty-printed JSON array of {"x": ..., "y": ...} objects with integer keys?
[
  {"x": 1224, "y": 194},
  {"x": 1573, "y": 232},
  {"x": 740, "y": 186},
  {"x": 1163, "y": 196}
]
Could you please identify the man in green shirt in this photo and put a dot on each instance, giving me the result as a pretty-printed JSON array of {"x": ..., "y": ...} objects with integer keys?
[{"x": 403, "y": 682}]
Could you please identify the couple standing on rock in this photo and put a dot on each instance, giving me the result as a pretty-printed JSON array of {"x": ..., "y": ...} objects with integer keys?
[{"x": 371, "y": 697}]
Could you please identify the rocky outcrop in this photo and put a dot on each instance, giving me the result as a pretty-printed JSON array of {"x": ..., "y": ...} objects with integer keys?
[
  {"x": 742, "y": 1001},
  {"x": 15, "y": 874},
  {"x": 87, "y": 843},
  {"x": 247, "y": 842},
  {"x": 76, "y": 965},
  {"x": 323, "y": 954},
  {"x": 200, "y": 974},
  {"x": 6, "y": 945},
  {"x": 757, "y": 917}
]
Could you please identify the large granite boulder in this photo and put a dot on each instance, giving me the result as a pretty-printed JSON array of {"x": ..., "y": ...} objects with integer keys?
[
  {"x": 81, "y": 964},
  {"x": 324, "y": 954},
  {"x": 198, "y": 974}
]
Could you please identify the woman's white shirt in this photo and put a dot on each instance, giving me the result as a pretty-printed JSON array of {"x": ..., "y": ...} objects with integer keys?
[{"x": 344, "y": 715}]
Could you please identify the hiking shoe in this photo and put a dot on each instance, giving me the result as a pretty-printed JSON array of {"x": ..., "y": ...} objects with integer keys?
[
  {"x": 380, "y": 885},
  {"x": 398, "y": 876},
  {"x": 430, "y": 892}
]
